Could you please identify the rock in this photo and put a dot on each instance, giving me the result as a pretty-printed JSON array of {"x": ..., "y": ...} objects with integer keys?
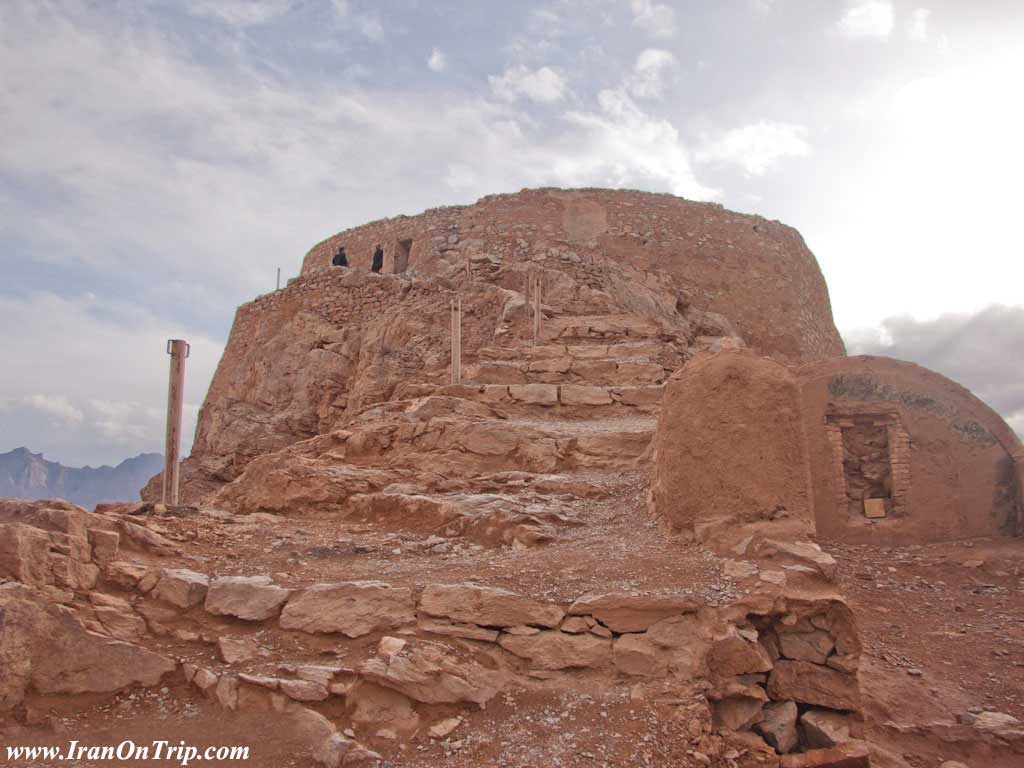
[
  {"x": 954, "y": 764},
  {"x": 303, "y": 690},
  {"x": 850, "y": 755},
  {"x": 739, "y": 569},
  {"x": 577, "y": 625},
  {"x": 576, "y": 394},
  {"x": 639, "y": 656},
  {"x": 205, "y": 681},
  {"x": 389, "y": 646},
  {"x": 226, "y": 692},
  {"x": 238, "y": 650},
  {"x": 806, "y": 646},
  {"x": 105, "y": 544},
  {"x": 432, "y": 674},
  {"x": 534, "y": 394},
  {"x": 124, "y": 574},
  {"x": 144, "y": 538},
  {"x": 999, "y": 724},
  {"x": 804, "y": 552},
  {"x": 452, "y": 629},
  {"x": 627, "y": 612},
  {"x": 122, "y": 623},
  {"x": 44, "y": 646},
  {"x": 809, "y": 683},
  {"x": 181, "y": 587},
  {"x": 442, "y": 728},
  {"x": 738, "y": 713},
  {"x": 331, "y": 751},
  {"x": 823, "y": 728},
  {"x": 733, "y": 655},
  {"x": 557, "y": 650},
  {"x": 779, "y": 726},
  {"x": 253, "y": 598},
  {"x": 353, "y": 608},
  {"x": 487, "y": 606}
]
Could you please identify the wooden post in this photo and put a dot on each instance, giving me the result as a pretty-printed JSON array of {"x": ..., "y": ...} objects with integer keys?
[
  {"x": 537, "y": 313},
  {"x": 457, "y": 340},
  {"x": 178, "y": 349}
]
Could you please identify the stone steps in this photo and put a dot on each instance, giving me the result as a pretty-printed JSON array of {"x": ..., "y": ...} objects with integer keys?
[
  {"x": 645, "y": 398},
  {"x": 606, "y": 372},
  {"x": 599, "y": 327}
]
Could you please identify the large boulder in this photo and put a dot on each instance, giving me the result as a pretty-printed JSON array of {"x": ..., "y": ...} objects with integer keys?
[
  {"x": 487, "y": 606},
  {"x": 431, "y": 673},
  {"x": 253, "y": 598},
  {"x": 559, "y": 650},
  {"x": 629, "y": 612},
  {"x": 353, "y": 608},
  {"x": 45, "y": 646}
]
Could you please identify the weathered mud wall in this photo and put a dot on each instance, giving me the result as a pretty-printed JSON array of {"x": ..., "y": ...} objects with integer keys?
[
  {"x": 757, "y": 273},
  {"x": 951, "y": 471},
  {"x": 730, "y": 442},
  {"x": 893, "y": 453}
]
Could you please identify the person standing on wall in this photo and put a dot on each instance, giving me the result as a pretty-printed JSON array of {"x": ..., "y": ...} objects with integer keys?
[
  {"x": 378, "y": 260},
  {"x": 340, "y": 259}
]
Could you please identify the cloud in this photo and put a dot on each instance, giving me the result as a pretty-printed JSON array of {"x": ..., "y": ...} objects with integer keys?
[
  {"x": 621, "y": 145},
  {"x": 58, "y": 407},
  {"x": 917, "y": 27},
  {"x": 980, "y": 350},
  {"x": 756, "y": 148},
  {"x": 240, "y": 13},
  {"x": 656, "y": 19},
  {"x": 867, "y": 18},
  {"x": 650, "y": 72},
  {"x": 100, "y": 383},
  {"x": 543, "y": 85},
  {"x": 437, "y": 61}
]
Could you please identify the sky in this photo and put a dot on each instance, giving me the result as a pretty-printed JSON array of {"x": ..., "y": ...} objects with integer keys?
[{"x": 160, "y": 159}]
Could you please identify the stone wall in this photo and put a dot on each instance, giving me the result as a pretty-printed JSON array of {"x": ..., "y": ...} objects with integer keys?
[{"x": 757, "y": 273}]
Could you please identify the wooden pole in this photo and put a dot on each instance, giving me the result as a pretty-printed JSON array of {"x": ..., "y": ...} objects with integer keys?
[
  {"x": 457, "y": 340},
  {"x": 178, "y": 349},
  {"x": 536, "y": 307}
]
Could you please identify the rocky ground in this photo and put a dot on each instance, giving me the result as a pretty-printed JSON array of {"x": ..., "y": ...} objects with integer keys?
[{"x": 471, "y": 576}]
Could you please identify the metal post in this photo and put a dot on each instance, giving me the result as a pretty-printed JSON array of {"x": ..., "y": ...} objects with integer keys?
[
  {"x": 536, "y": 307},
  {"x": 278, "y": 279},
  {"x": 457, "y": 340},
  {"x": 179, "y": 350}
]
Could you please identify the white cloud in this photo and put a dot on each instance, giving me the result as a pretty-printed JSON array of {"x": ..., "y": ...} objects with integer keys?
[
  {"x": 543, "y": 85},
  {"x": 623, "y": 146},
  {"x": 757, "y": 147},
  {"x": 650, "y": 72},
  {"x": 917, "y": 27},
  {"x": 117, "y": 361},
  {"x": 437, "y": 62},
  {"x": 58, "y": 407},
  {"x": 867, "y": 18},
  {"x": 240, "y": 13},
  {"x": 657, "y": 19},
  {"x": 762, "y": 6}
]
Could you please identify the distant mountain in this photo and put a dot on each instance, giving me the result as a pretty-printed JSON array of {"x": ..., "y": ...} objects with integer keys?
[{"x": 27, "y": 475}]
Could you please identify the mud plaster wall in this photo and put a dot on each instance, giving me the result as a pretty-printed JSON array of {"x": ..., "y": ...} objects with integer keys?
[
  {"x": 952, "y": 458},
  {"x": 730, "y": 441},
  {"x": 756, "y": 272}
]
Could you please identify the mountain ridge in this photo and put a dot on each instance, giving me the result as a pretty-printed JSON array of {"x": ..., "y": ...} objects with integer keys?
[{"x": 28, "y": 475}]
